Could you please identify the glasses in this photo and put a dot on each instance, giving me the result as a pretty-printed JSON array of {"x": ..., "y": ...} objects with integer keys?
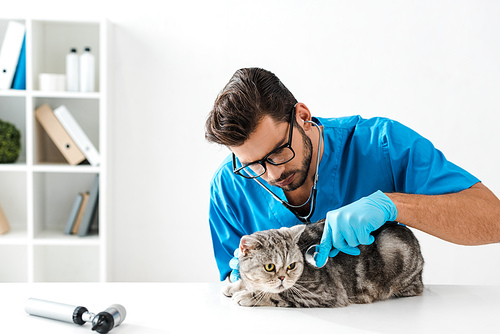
[{"x": 276, "y": 157}]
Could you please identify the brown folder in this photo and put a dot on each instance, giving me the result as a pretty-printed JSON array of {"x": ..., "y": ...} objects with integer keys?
[
  {"x": 58, "y": 134},
  {"x": 4, "y": 223}
]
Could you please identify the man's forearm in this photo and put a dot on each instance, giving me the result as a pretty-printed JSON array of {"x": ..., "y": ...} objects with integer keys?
[{"x": 469, "y": 217}]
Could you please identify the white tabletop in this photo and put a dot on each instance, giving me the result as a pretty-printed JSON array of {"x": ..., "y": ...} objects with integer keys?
[{"x": 200, "y": 308}]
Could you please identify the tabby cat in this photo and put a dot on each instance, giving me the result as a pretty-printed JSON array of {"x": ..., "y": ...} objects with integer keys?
[{"x": 273, "y": 271}]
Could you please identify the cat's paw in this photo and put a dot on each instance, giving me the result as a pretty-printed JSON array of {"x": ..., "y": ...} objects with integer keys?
[
  {"x": 232, "y": 288},
  {"x": 226, "y": 291},
  {"x": 245, "y": 298}
]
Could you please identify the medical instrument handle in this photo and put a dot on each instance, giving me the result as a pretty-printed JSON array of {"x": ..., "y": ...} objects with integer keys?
[{"x": 56, "y": 311}]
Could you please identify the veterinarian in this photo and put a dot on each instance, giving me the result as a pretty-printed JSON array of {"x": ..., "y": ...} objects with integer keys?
[{"x": 287, "y": 167}]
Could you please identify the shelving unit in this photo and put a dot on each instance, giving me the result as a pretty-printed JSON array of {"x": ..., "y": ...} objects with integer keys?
[{"x": 38, "y": 190}]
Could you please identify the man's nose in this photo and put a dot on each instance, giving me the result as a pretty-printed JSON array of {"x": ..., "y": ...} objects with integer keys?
[{"x": 274, "y": 172}]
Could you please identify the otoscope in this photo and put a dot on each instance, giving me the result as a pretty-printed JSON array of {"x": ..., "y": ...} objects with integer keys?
[{"x": 103, "y": 322}]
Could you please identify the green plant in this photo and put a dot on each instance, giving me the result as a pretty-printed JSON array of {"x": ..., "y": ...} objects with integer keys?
[{"x": 10, "y": 142}]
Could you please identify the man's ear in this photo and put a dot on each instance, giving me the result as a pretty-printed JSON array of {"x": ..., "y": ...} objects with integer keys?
[
  {"x": 303, "y": 115},
  {"x": 248, "y": 243}
]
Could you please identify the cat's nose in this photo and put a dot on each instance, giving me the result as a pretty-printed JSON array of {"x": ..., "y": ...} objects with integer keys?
[{"x": 281, "y": 278}]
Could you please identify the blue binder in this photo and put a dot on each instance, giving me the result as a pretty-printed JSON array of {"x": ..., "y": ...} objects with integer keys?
[{"x": 19, "y": 81}]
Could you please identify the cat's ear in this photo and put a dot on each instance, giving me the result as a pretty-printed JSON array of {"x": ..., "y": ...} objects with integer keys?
[
  {"x": 248, "y": 243},
  {"x": 296, "y": 232}
]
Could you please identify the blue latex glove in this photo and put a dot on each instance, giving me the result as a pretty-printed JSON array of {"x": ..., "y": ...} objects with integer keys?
[
  {"x": 235, "y": 265},
  {"x": 351, "y": 225}
]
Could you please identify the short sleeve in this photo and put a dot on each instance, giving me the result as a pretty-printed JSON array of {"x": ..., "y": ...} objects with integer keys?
[{"x": 418, "y": 167}]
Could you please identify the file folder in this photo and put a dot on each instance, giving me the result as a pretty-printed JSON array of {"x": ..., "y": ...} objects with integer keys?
[
  {"x": 10, "y": 52},
  {"x": 19, "y": 81},
  {"x": 58, "y": 134},
  {"x": 78, "y": 135}
]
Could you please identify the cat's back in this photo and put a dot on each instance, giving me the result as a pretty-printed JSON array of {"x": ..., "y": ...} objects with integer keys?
[{"x": 390, "y": 267}]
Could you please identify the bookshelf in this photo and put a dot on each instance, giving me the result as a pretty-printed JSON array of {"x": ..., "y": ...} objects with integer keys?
[{"x": 38, "y": 190}]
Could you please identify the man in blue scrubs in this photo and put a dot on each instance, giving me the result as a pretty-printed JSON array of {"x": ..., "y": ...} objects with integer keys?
[{"x": 369, "y": 171}]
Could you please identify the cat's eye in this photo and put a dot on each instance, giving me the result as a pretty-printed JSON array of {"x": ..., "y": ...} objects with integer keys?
[
  {"x": 291, "y": 266},
  {"x": 269, "y": 267}
]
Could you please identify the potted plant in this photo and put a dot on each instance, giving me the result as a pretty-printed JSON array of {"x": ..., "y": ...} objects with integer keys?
[{"x": 10, "y": 142}]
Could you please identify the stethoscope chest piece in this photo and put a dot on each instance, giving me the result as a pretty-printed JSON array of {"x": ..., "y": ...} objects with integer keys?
[{"x": 310, "y": 256}]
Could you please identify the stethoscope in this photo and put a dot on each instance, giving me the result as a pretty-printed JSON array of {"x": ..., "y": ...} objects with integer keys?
[{"x": 312, "y": 197}]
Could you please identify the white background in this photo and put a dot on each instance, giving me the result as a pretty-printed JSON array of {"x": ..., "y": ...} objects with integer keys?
[{"x": 432, "y": 65}]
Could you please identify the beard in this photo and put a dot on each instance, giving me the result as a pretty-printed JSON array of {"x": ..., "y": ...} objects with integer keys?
[{"x": 300, "y": 174}]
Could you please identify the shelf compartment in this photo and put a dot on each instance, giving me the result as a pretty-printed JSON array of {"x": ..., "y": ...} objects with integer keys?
[
  {"x": 66, "y": 263},
  {"x": 52, "y": 40},
  {"x": 13, "y": 198},
  {"x": 12, "y": 110},
  {"x": 85, "y": 112},
  {"x": 54, "y": 195},
  {"x": 13, "y": 268}
]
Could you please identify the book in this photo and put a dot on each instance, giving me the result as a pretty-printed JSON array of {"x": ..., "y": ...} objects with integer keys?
[
  {"x": 90, "y": 210},
  {"x": 78, "y": 135},
  {"x": 19, "y": 81},
  {"x": 73, "y": 214},
  {"x": 10, "y": 52},
  {"x": 81, "y": 211},
  {"x": 4, "y": 223},
  {"x": 58, "y": 134}
]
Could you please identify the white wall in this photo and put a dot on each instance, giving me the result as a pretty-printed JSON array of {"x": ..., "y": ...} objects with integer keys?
[{"x": 433, "y": 65}]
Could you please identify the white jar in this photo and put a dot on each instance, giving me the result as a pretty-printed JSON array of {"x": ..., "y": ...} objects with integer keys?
[
  {"x": 72, "y": 71},
  {"x": 87, "y": 71}
]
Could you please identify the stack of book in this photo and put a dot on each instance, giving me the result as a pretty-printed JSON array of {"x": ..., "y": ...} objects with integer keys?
[
  {"x": 13, "y": 57},
  {"x": 84, "y": 211}
]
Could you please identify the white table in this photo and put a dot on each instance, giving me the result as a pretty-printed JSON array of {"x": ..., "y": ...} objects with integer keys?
[{"x": 201, "y": 308}]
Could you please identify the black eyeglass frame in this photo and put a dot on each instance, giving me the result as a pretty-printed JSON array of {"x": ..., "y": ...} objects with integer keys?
[{"x": 263, "y": 161}]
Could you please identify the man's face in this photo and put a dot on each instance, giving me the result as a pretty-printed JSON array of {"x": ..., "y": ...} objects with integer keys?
[{"x": 268, "y": 136}]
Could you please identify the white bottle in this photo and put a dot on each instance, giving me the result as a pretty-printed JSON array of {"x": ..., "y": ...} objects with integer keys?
[
  {"x": 87, "y": 71},
  {"x": 72, "y": 71}
]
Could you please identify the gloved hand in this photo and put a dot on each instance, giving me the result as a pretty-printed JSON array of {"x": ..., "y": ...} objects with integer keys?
[
  {"x": 351, "y": 225},
  {"x": 235, "y": 265}
]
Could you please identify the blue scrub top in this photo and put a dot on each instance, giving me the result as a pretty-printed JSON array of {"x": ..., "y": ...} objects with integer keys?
[{"x": 360, "y": 157}]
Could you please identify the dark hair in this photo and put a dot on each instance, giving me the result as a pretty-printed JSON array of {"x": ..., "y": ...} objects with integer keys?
[{"x": 251, "y": 94}]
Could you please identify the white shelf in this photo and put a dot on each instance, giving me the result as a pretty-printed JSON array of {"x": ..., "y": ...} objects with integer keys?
[
  {"x": 13, "y": 92},
  {"x": 15, "y": 167},
  {"x": 38, "y": 191},
  {"x": 15, "y": 236},
  {"x": 50, "y": 94},
  {"x": 66, "y": 95},
  {"x": 56, "y": 237},
  {"x": 63, "y": 168}
]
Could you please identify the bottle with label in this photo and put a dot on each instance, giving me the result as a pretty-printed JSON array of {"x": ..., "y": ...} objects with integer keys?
[
  {"x": 72, "y": 71},
  {"x": 87, "y": 71}
]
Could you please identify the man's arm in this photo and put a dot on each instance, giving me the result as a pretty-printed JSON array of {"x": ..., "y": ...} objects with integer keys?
[{"x": 469, "y": 217}]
